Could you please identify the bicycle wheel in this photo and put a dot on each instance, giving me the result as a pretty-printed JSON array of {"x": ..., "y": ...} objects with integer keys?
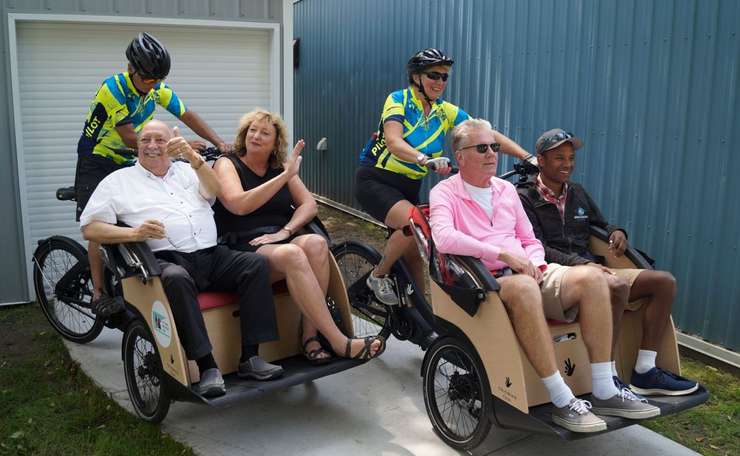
[
  {"x": 142, "y": 367},
  {"x": 61, "y": 278},
  {"x": 356, "y": 260},
  {"x": 457, "y": 395}
]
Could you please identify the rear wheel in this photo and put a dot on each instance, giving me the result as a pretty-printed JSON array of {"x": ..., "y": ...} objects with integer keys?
[
  {"x": 355, "y": 261},
  {"x": 142, "y": 367},
  {"x": 457, "y": 394},
  {"x": 61, "y": 278}
]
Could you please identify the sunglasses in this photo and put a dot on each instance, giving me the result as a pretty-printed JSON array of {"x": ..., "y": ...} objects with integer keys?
[
  {"x": 436, "y": 76},
  {"x": 483, "y": 148},
  {"x": 552, "y": 140},
  {"x": 149, "y": 80}
]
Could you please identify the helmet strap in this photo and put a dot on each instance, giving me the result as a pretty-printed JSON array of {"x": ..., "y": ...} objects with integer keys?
[{"x": 421, "y": 89}]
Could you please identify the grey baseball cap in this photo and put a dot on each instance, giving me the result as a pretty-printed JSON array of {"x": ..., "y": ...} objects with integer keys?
[{"x": 555, "y": 137}]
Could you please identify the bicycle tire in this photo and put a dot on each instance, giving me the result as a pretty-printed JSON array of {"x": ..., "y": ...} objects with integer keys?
[
  {"x": 457, "y": 394},
  {"x": 69, "y": 312},
  {"x": 142, "y": 367},
  {"x": 369, "y": 316}
]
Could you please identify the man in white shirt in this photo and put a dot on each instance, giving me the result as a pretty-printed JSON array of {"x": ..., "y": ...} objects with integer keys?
[{"x": 168, "y": 205}]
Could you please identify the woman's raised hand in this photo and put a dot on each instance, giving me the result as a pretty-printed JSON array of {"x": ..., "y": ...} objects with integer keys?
[{"x": 293, "y": 163}]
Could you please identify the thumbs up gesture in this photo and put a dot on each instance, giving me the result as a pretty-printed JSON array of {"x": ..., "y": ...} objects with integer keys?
[{"x": 177, "y": 147}]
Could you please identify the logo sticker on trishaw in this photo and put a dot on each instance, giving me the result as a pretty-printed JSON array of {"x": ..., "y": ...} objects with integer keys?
[{"x": 161, "y": 324}]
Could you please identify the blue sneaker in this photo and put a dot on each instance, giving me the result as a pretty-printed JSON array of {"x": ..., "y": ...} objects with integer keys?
[
  {"x": 659, "y": 382},
  {"x": 620, "y": 386}
]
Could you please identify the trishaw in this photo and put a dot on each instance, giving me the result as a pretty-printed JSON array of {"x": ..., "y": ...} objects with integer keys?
[{"x": 476, "y": 374}]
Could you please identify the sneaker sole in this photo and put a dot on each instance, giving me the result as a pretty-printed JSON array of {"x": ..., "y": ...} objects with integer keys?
[
  {"x": 629, "y": 414},
  {"x": 213, "y": 392},
  {"x": 580, "y": 428},
  {"x": 261, "y": 377},
  {"x": 663, "y": 392}
]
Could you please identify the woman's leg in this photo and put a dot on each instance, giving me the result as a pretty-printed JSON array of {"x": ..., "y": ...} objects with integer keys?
[
  {"x": 290, "y": 261},
  {"x": 398, "y": 244}
]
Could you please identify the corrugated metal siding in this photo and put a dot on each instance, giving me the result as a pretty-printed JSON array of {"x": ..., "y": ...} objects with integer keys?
[
  {"x": 651, "y": 88},
  {"x": 12, "y": 262}
]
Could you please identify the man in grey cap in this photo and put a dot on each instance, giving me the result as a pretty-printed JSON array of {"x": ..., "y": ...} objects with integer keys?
[{"x": 562, "y": 213}]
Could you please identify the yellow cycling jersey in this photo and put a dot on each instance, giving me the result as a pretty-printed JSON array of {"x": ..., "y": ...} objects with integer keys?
[
  {"x": 118, "y": 103},
  {"x": 424, "y": 133}
]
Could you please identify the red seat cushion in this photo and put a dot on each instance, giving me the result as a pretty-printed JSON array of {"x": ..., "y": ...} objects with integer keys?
[{"x": 212, "y": 299}]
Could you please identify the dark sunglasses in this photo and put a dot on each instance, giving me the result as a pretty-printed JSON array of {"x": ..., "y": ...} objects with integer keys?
[
  {"x": 483, "y": 148},
  {"x": 149, "y": 79},
  {"x": 556, "y": 138},
  {"x": 436, "y": 76}
]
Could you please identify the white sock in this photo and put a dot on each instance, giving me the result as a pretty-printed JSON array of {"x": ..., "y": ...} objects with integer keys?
[
  {"x": 645, "y": 361},
  {"x": 560, "y": 394},
  {"x": 601, "y": 377},
  {"x": 614, "y": 369}
]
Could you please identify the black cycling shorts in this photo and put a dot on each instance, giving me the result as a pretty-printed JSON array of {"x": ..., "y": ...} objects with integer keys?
[
  {"x": 378, "y": 190},
  {"x": 91, "y": 169}
]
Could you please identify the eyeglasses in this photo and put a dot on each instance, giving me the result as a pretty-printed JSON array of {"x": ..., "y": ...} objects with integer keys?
[
  {"x": 436, "y": 76},
  {"x": 552, "y": 140},
  {"x": 483, "y": 148}
]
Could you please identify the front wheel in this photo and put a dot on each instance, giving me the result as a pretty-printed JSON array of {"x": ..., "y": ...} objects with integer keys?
[
  {"x": 457, "y": 394},
  {"x": 142, "y": 367},
  {"x": 61, "y": 279},
  {"x": 355, "y": 261}
]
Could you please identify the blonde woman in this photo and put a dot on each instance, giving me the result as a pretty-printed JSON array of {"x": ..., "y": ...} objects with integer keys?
[{"x": 262, "y": 207}]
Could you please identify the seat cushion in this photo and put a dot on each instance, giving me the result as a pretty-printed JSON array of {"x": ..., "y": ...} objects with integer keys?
[{"x": 212, "y": 299}]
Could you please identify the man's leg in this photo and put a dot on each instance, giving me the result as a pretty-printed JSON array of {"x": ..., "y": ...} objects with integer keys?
[
  {"x": 619, "y": 290},
  {"x": 587, "y": 288},
  {"x": 182, "y": 294},
  {"x": 521, "y": 296},
  {"x": 659, "y": 287},
  {"x": 249, "y": 274}
]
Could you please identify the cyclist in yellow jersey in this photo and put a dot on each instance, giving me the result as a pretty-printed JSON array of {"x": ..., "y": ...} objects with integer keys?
[
  {"x": 124, "y": 103},
  {"x": 412, "y": 131}
]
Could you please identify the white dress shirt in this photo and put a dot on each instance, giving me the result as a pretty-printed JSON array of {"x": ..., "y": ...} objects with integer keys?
[{"x": 133, "y": 195}]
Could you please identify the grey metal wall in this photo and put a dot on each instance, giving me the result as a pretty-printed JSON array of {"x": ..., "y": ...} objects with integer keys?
[
  {"x": 12, "y": 269},
  {"x": 651, "y": 87}
]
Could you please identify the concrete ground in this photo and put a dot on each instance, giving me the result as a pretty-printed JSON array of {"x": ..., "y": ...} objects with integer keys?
[{"x": 374, "y": 409}]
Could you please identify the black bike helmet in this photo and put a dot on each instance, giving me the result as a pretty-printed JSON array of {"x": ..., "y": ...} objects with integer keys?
[
  {"x": 425, "y": 59},
  {"x": 148, "y": 57}
]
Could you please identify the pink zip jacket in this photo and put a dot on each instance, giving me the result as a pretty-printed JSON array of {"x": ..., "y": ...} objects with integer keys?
[{"x": 461, "y": 227}]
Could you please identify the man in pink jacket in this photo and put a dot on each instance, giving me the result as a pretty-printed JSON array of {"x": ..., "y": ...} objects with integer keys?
[{"x": 476, "y": 214}]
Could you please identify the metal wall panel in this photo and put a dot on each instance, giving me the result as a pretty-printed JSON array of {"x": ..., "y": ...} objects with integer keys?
[
  {"x": 12, "y": 262},
  {"x": 650, "y": 86}
]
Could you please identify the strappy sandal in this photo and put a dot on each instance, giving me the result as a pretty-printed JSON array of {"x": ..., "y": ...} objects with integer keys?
[
  {"x": 364, "y": 354},
  {"x": 314, "y": 356}
]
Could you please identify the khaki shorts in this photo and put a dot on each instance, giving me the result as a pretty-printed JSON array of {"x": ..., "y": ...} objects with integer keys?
[
  {"x": 630, "y": 275},
  {"x": 551, "y": 288}
]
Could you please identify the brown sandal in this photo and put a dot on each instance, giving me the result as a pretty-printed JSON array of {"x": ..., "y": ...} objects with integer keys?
[
  {"x": 313, "y": 356},
  {"x": 364, "y": 353}
]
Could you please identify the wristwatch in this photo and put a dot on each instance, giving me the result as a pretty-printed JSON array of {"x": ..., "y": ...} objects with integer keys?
[{"x": 420, "y": 158}]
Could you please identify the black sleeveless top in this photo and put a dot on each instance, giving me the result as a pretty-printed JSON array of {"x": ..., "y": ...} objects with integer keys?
[{"x": 269, "y": 218}]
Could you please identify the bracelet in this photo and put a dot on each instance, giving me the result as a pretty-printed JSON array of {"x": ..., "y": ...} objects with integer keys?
[
  {"x": 420, "y": 157},
  {"x": 290, "y": 232}
]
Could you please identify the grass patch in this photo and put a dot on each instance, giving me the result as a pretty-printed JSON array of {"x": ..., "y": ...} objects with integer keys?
[
  {"x": 714, "y": 427},
  {"x": 50, "y": 407}
]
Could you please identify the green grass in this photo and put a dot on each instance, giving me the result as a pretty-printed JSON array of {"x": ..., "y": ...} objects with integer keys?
[
  {"x": 712, "y": 428},
  {"x": 49, "y": 406}
]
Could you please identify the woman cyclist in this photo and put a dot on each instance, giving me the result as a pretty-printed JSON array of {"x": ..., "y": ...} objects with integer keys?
[{"x": 412, "y": 130}]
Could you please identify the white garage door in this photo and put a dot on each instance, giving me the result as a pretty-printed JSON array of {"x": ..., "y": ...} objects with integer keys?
[{"x": 220, "y": 73}]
